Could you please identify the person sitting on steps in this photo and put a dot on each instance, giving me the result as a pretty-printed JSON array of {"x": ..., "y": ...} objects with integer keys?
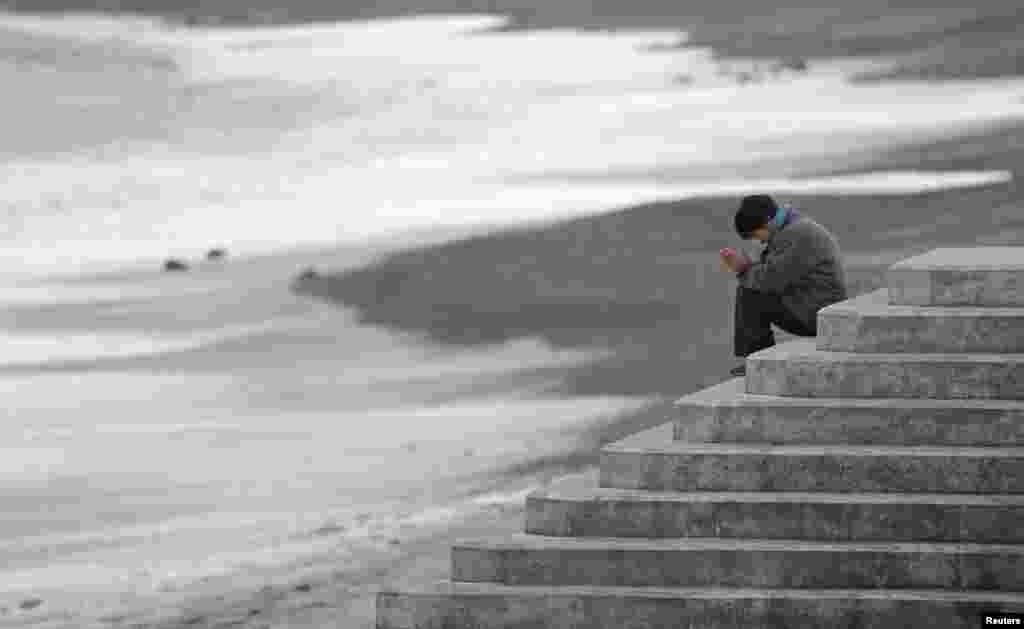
[{"x": 799, "y": 272}]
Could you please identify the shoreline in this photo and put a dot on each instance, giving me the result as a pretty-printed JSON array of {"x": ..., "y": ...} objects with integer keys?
[
  {"x": 635, "y": 279},
  {"x": 326, "y": 597},
  {"x": 665, "y": 360},
  {"x": 624, "y": 281},
  {"x": 936, "y": 42}
]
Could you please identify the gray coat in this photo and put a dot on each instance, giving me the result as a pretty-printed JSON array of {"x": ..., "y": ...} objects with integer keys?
[{"x": 801, "y": 263}]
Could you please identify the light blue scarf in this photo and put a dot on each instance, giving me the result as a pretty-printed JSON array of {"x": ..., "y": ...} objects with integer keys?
[{"x": 780, "y": 218}]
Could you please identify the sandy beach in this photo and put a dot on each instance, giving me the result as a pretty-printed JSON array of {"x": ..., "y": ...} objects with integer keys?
[{"x": 698, "y": 335}]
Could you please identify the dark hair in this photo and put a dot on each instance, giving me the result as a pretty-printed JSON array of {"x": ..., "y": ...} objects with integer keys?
[{"x": 756, "y": 210}]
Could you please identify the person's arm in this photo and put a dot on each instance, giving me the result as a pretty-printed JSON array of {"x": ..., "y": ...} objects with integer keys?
[{"x": 788, "y": 261}]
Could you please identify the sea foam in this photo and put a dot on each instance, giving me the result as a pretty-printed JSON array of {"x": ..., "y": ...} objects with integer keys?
[{"x": 267, "y": 138}]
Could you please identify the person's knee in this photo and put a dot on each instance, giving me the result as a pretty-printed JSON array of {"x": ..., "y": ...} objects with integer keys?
[
  {"x": 753, "y": 292},
  {"x": 759, "y": 300},
  {"x": 802, "y": 328}
]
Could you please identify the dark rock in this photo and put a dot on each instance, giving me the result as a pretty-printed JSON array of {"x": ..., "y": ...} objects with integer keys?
[
  {"x": 114, "y": 619},
  {"x": 309, "y": 273},
  {"x": 216, "y": 254},
  {"x": 797, "y": 64},
  {"x": 264, "y": 18},
  {"x": 254, "y": 612},
  {"x": 394, "y": 541},
  {"x": 330, "y": 529},
  {"x": 679, "y": 44},
  {"x": 193, "y": 20},
  {"x": 303, "y": 587},
  {"x": 30, "y": 603},
  {"x": 745, "y": 77},
  {"x": 175, "y": 264},
  {"x": 682, "y": 79}
]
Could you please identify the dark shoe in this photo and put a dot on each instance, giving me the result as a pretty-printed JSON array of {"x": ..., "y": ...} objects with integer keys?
[{"x": 741, "y": 370}]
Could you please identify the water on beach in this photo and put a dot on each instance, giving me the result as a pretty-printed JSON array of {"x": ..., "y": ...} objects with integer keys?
[{"x": 159, "y": 428}]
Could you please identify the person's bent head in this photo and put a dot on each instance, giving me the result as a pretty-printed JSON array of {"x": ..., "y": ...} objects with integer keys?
[{"x": 754, "y": 217}]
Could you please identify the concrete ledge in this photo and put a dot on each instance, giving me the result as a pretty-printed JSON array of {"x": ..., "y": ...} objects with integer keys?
[
  {"x": 798, "y": 368},
  {"x": 868, "y": 323},
  {"x": 974, "y": 276},
  {"x": 726, "y": 413},
  {"x": 574, "y": 509},
  {"x": 697, "y": 562},
  {"x": 872, "y": 477},
  {"x": 651, "y": 460},
  {"x": 493, "y": 606}
]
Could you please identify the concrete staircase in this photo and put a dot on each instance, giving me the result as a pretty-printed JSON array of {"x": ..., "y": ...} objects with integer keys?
[{"x": 872, "y": 477}]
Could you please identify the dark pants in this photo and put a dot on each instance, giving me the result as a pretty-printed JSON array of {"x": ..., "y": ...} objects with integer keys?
[{"x": 755, "y": 314}]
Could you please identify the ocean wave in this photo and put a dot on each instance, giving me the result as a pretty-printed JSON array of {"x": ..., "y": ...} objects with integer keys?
[
  {"x": 340, "y": 135},
  {"x": 24, "y": 349}
]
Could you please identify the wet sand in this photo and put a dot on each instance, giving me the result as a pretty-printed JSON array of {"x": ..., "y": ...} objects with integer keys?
[{"x": 642, "y": 282}]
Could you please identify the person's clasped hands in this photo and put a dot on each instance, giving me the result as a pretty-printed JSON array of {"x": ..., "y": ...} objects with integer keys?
[{"x": 732, "y": 261}]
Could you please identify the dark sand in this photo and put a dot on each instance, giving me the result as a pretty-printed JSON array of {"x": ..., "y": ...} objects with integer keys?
[
  {"x": 642, "y": 281},
  {"x": 645, "y": 282}
]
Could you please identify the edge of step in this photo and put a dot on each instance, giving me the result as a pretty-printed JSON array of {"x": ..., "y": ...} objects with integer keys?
[
  {"x": 579, "y": 488},
  {"x": 805, "y": 349},
  {"x": 954, "y": 276},
  {"x": 658, "y": 440},
  {"x": 876, "y": 304},
  {"x": 445, "y": 588},
  {"x": 981, "y": 258},
  {"x": 726, "y": 413},
  {"x": 732, "y": 393},
  {"x": 529, "y": 541}
]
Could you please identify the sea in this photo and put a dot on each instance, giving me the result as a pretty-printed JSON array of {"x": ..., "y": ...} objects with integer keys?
[{"x": 160, "y": 428}]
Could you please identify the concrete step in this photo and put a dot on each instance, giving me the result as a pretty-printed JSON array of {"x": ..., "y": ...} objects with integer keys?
[
  {"x": 726, "y": 413},
  {"x": 974, "y": 276},
  {"x": 450, "y": 605},
  {"x": 798, "y": 368},
  {"x": 575, "y": 508},
  {"x": 697, "y": 562},
  {"x": 868, "y": 323},
  {"x": 652, "y": 460}
]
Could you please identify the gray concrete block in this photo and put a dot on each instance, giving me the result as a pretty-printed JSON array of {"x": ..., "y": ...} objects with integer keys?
[
  {"x": 868, "y": 323},
  {"x": 974, "y": 276},
  {"x": 798, "y": 368},
  {"x": 652, "y": 460},
  {"x": 576, "y": 510},
  {"x": 447, "y": 605},
  {"x": 697, "y": 562},
  {"x": 726, "y": 413}
]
